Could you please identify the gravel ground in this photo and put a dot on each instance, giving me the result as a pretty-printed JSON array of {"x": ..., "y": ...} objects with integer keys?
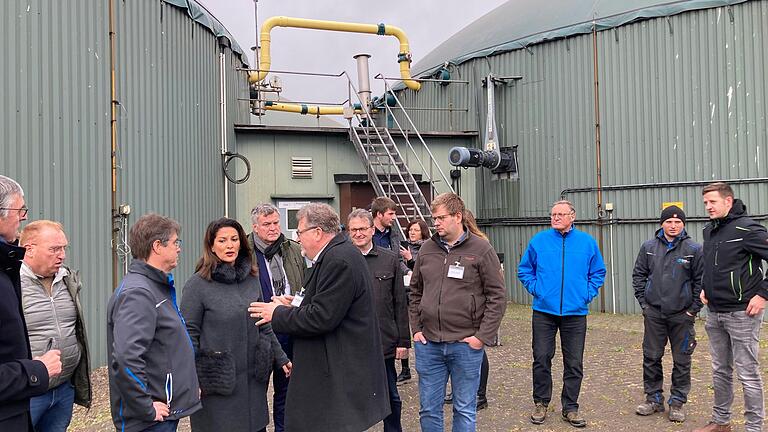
[{"x": 611, "y": 390}]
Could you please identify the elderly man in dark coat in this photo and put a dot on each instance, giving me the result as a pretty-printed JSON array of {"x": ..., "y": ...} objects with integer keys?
[
  {"x": 338, "y": 381},
  {"x": 21, "y": 377}
]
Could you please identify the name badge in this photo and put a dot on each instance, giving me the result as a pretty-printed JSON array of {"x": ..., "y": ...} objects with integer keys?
[
  {"x": 298, "y": 298},
  {"x": 456, "y": 271}
]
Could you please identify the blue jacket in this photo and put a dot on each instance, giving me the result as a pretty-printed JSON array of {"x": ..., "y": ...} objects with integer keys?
[{"x": 563, "y": 273}]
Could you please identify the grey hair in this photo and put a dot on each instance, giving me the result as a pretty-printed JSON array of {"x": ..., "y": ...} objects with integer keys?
[
  {"x": 264, "y": 209},
  {"x": 566, "y": 202},
  {"x": 360, "y": 214},
  {"x": 320, "y": 215},
  {"x": 9, "y": 189}
]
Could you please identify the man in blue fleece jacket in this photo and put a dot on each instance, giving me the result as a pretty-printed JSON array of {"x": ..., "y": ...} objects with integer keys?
[{"x": 563, "y": 270}]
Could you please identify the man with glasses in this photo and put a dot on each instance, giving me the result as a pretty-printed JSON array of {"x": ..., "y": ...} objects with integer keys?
[
  {"x": 21, "y": 376},
  {"x": 151, "y": 360},
  {"x": 563, "y": 270},
  {"x": 337, "y": 382},
  {"x": 456, "y": 305},
  {"x": 50, "y": 293},
  {"x": 391, "y": 306}
]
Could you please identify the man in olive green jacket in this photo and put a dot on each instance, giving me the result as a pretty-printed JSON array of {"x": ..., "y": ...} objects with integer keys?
[
  {"x": 50, "y": 297},
  {"x": 281, "y": 271}
]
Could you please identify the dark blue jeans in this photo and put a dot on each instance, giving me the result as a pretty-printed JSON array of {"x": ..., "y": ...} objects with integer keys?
[
  {"x": 52, "y": 411},
  {"x": 435, "y": 362},
  {"x": 573, "y": 331},
  {"x": 164, "y": 426},
  {"x": 392, "y": 421},
  {"x": 280, "y": 385}
]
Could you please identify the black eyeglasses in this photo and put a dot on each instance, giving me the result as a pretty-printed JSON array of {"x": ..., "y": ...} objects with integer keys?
[{"x": 22, "y": 211}]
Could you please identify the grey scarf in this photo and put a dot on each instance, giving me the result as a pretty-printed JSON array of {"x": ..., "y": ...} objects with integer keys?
[{"x": 279, "y": 282}]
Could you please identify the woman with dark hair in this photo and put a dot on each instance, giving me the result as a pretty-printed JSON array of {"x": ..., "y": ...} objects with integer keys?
[
  {"x": 234, "y": 356},
  {"x": 417, "y": 233}
]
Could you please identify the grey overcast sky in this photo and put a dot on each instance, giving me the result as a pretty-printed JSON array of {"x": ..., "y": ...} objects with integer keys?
[{"x": 427, "y": 23}]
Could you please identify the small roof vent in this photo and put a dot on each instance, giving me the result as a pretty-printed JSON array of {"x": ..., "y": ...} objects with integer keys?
[{"x": 301, "y": 167}]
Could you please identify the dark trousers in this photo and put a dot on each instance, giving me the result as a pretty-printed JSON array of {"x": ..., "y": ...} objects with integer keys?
[
  {"x": 163, "y": 426},
  {"x": 573, "y": 330},
  {"x": 392, "y": 421},
  {"x": 483, "y": 377},
  {"x": 280, "y": 386},
  {"x": 678, "y": 330}
]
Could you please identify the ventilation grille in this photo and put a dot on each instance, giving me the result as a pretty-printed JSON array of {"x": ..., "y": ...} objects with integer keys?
[{"x": 301, "y": 167}]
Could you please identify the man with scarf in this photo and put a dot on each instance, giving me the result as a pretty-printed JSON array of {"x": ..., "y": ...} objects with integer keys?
[{"x": 281, "y": 272}]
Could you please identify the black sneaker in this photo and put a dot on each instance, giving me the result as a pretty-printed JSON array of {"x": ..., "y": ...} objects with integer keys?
[{"x": 482, "y": 403}]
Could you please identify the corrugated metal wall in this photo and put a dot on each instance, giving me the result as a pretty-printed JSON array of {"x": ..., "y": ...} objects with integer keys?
[
  {"x": 682, "y": 99},
  {"x": 55, "y": 125}
]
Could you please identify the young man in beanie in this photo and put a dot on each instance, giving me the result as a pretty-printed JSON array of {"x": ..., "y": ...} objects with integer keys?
[{"x": 667, "y": 283}]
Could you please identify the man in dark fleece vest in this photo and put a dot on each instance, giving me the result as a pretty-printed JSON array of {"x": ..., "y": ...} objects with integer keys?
[
  {"x": 735, "y": 292},
  {"x": 667, "y": 283}
]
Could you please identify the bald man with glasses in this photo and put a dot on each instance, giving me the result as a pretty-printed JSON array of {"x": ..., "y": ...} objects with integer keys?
[{"x": 562, "y": 269}]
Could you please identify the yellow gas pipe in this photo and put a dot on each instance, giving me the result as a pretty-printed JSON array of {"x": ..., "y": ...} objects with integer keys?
[
  {"x": 308, "y": 109},
  {"x": 403, "y": 57}
]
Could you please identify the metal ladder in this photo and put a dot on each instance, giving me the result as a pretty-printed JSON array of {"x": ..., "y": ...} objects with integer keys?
[{"x": 386, "y": 165}]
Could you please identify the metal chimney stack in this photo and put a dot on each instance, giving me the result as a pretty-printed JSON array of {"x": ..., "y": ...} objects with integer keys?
[{"x": 363, "y": 80}]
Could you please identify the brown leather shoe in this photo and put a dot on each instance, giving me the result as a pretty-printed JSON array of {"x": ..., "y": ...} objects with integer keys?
[
  {"x": 574, "y": 419},
  {"x": 714, "y": 427}
]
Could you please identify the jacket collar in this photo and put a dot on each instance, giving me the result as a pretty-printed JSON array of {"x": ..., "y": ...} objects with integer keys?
[
  {"x": 680, "y": 237},
  {"x": 26, "y": 271},
  {"x": 337, "y": 240},
  {"x": 738, "y": 209},
  {"x": 156, "y": 275},
  {"x": 11, "y": 256}
]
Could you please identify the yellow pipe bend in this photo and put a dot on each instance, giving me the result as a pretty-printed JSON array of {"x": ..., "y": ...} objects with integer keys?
[{"x": 265, "y": 61}]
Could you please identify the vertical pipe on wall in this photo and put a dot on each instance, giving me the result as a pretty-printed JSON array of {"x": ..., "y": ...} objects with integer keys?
[
  {"x": 223, "y": 122},
  {"x": 598, "y": 161},
  {"x": 113, "y": 135}
]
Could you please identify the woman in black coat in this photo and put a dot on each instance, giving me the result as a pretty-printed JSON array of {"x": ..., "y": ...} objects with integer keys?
[
  {"x": 417, "y": 232},
  {"x": 234, "y": 356}
]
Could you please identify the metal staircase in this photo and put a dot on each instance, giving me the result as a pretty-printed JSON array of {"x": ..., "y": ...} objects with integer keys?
[{"x": 387, "y": 164}]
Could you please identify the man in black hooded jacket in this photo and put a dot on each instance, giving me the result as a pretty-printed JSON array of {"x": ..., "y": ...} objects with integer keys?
[
  {"x": 735, "y": 292},
  {"x": 667, "y": 282}
]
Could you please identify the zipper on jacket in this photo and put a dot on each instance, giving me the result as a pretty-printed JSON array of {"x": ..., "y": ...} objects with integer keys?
[
  {"x": 440, "y": 301},
  {"x": 733, "y": 288},
  {"x": 562, "y": 277}
]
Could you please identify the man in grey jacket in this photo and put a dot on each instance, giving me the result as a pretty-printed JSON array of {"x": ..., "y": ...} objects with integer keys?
[
  {"x": 667, "y": 282},
  {"x": 50, "y": 296},
  {"x": 152, "y": 377}
]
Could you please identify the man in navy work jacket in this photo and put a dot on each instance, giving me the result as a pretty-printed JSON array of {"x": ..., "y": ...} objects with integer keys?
[
  {"x": 667, "y": 283},
  {"x": 152, "y": 376},
  {"x": 563, "y": 270}
]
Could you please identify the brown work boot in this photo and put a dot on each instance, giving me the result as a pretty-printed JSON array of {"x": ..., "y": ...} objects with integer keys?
[
  {"x": 574, "y": 419},
  {"x": 539, "y": 413},
  {"x": 714, "y": 427},
  {"x": 676, "y": 413}
]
